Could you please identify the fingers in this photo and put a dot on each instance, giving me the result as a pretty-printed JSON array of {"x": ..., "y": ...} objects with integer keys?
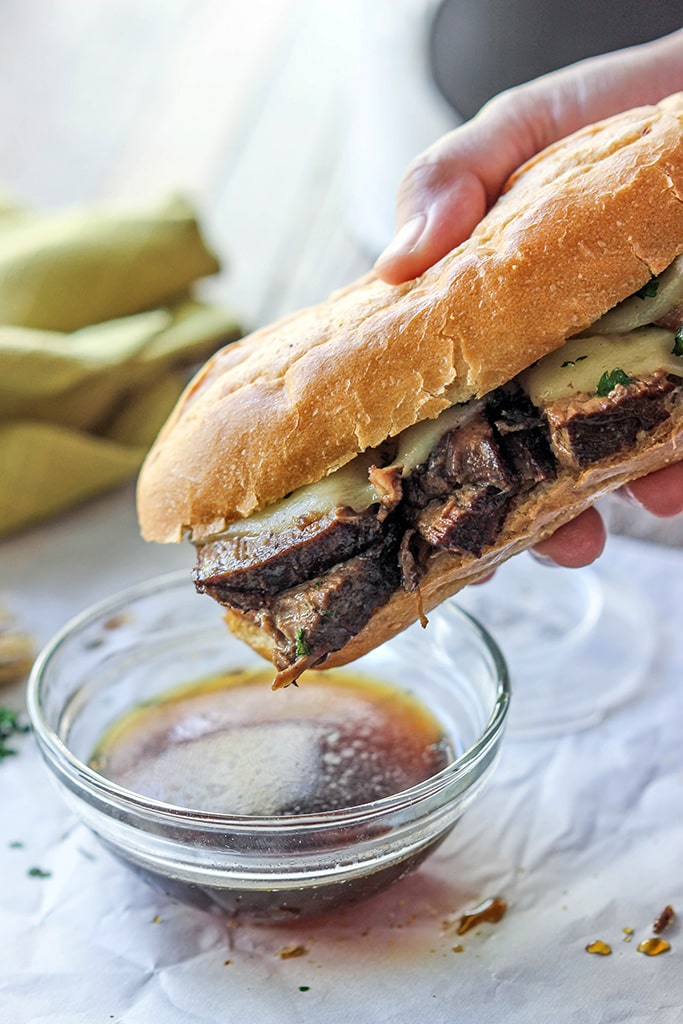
[
  {"x": 448, "y": 189},
  {"x": 575, "y": 544},
  {"x": 581, "y": 541},
  {"x": 661, "y": 493},
  {"x": 435, "y": 215},
  {"x": 443, "y": 195}
]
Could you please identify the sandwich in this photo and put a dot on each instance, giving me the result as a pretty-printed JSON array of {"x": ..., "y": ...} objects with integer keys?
[{"x": 348, "y": 468}]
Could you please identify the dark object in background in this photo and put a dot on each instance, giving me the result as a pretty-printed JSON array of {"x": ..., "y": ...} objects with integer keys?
[{"x": 479, "y": 47}]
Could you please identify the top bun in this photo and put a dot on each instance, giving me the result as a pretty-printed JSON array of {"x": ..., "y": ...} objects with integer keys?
[{"x": 579, "y": 228}]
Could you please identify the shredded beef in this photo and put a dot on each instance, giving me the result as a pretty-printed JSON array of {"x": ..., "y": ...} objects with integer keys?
[
  {"x": 413, "y": 554},
  {"x": 467, "y": 521},
  {"x": 389, "y": 485},
  {"x": 458, "y": 498}
]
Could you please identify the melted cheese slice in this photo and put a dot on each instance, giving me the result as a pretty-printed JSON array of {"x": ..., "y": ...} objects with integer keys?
[
  {"x": 637, "y": 312},
  {"x": 581, "y": 362},
  {"x": 349, "y": 486}
]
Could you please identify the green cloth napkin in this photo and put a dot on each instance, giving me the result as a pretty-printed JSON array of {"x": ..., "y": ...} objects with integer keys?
[{"x": 97, "y": 338}]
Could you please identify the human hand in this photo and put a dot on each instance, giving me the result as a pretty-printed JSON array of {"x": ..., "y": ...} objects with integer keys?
[{"x": 447, "y": 190}]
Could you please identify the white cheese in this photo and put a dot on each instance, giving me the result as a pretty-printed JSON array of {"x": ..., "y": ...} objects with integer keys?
[
  {"x": 349, "y": 486},
  {"x": 415, "y": 443},
  {"x": 637, "y": 312},
  {"x": 580, "y": 363}
]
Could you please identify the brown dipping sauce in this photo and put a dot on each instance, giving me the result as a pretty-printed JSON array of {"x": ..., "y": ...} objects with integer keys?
[{"x": 228, "y": 745}]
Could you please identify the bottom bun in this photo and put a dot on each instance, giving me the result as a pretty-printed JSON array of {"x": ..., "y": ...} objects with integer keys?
[{"x": 540, "y": 515}]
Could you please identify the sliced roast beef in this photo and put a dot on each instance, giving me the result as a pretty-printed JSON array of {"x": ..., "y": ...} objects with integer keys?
[
  {"x": 325, "y": 613},
  {"x": 473, "y": 456},
  {"x": 588, "y": 428},
  {"x": 469, "y": 454},
  {"x": 271, "y": 563},
  {"x": 458, "y": 499}
]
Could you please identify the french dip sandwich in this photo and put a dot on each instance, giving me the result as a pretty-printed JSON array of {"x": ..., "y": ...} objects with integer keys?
[{"x": 347, "y": 469}]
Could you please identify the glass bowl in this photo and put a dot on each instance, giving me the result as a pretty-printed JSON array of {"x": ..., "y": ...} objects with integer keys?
[{"x": 161, "y": 635}]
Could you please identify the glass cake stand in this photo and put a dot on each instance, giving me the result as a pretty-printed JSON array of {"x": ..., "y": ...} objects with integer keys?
[{"x": 578, "y": 642}]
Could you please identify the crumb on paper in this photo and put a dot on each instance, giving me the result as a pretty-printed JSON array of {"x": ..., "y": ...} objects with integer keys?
[
  {"x": 664, "y": 919},
  {"x": 289, "y": 952},
  {"x": 117, "y": 621}
]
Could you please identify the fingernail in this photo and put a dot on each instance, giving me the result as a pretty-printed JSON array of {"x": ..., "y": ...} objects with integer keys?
[
  {"x": 543, "y": 559},
  {"x": 626, "y": 495},
  {"x": 405, "y": 240}
]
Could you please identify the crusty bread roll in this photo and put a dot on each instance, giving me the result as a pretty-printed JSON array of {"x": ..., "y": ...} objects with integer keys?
[{"x": 578, "y": 229}]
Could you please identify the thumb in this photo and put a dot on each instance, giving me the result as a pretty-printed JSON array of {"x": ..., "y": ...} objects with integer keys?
[
  {"x": 446, "y": 191},
  {"x": 438, "y": 206}
]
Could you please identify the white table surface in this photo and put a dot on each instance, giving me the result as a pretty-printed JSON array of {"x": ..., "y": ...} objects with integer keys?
[{"x": 581, "y": 834}]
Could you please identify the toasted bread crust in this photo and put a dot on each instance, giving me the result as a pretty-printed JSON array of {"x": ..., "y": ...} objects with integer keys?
[{"x": 578, "y": 229}]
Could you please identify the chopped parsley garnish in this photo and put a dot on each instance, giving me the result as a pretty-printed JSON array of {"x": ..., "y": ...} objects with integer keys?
[
  {"x": 649, "y": 290},
  {"x": 677, "y": 350},
  {"x": 301, "y": 645},
  {"x": 572, "y": 362},
  {"x": 9, "y": 726},
  {"x": 609, "y": 381},
  {"x": 38, "y": 873}
]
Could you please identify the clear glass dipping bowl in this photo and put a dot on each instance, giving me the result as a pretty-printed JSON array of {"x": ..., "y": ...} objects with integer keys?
[{"x": 160, "y": 635}]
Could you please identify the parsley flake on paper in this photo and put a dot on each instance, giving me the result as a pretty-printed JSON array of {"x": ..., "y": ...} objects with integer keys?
[{"x": 10, "y": 725}]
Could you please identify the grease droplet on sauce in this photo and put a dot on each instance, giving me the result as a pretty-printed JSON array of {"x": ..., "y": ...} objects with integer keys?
[
  {"x": 491, "y": 910},
  {"x": 599, "y": 947},
  {"x": 653, "y": 947}
]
